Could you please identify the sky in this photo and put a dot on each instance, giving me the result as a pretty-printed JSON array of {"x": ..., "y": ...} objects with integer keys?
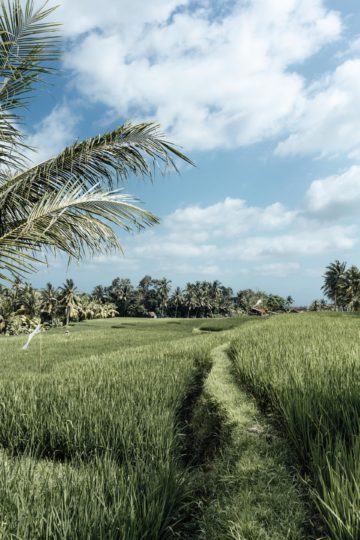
[{"x": 263, "y": 95}]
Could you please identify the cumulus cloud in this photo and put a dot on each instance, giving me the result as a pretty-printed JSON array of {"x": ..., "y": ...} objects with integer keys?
[
  {"x": 277, "y": 269},
  {"x": 212, "y": 81},
  {"x": 231, "y": 237},
  {"x": 297, "y": 243},
  {"x": 53, "y": 133},
  {"x": 226, "y": 219},
  {"x": 335, "y": 196},
  {"x": 85, "y": 16},
  {"x": 329, "y": 122}
]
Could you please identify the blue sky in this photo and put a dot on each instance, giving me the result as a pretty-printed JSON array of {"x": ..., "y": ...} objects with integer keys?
[{"x": 264, "y": 95}]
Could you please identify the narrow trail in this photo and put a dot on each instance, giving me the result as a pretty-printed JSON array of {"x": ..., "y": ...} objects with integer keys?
[{"x": 251, "y": 491}]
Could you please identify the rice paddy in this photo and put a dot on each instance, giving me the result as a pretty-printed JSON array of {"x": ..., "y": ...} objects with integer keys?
[
  {"x": 304, "y": 371},
  {"x": 138, "y": 429}
]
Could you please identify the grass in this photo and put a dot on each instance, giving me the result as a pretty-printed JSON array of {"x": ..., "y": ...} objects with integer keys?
[
  {"x": 91, "y": 445},
  {"x": 252, "y": 494},
  {"x": 304, "y": 370},
  {"x": 87, "y": 339},
  {"x": 91, "y": 430},
  {"x": 139, "y": 429}
]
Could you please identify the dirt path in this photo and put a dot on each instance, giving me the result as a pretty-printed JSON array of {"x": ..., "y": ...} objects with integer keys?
[{"x": 252, "y": 492}]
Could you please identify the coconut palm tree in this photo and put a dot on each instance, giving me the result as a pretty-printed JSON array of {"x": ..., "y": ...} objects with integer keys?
[
  {"x": 190, "y": 297},
  {"x": 49, "y": 300},
  {"x": 99, "y": 294},
  {"x": 120, "y": 291},
  {"x": 30, "y": 301},
  {"x": 69, "y": 202},
  {"x": 177, "y": 299},
  {"x": 332, "y": 280},
  {"x": 349, "y": 288},
  {"x": 163, "y": 290},
  {"x": 69, "y": 300},
  {"x": 108, "y": 311}
]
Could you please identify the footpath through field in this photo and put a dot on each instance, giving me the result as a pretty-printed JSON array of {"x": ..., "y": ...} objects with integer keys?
[{"x": 252, "y": 493}]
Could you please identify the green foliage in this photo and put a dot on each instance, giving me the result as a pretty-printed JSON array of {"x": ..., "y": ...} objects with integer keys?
[
  {"x": 247, "y": 298},
  {"x": 20, "y": 324},
  {"x": 251, "y": 489},
  {"x": 199, "y": 299},
  {"x": 67, "y": 203},
  {"x": 342, "y": 286},
  {"x": 305, "y": 371},
  {"x": 332, "y": 278},
  {"x": 92, "y": 443}
]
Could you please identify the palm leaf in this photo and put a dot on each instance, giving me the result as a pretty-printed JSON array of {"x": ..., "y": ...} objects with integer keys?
[
  {"x": 70, "y": 221},
  {"x": 28, "y": 46},
  {"x": 66, "y": 203},
  {"x": 130, "y": 149}
]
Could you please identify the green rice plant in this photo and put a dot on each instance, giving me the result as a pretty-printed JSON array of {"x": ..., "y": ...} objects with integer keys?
[
  {"x": 304, "y": 370},
  {"x": 338, "y": 494},
  {"x": 41, "y": 499},
  {"x": 92, "y": 446}
]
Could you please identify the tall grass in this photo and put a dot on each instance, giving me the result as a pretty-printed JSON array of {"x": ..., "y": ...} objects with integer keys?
[
  {"x": 305, "y": 371},
  {"x": 92, "y": 446}
]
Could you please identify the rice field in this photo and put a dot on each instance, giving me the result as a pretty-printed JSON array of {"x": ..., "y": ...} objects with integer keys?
[
  {"x": 90, "y": 430},
  {"x": 304, "y": 371},
  {"x": 132, "y": 429}
]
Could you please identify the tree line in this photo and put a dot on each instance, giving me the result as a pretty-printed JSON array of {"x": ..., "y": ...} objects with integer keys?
[{"x": 22, "y": 306}]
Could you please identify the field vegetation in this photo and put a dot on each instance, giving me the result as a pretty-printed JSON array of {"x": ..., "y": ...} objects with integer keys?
[
  {"x": 136, "y": 428},
  {"x": 90, "y": 444},
  {"x": 92, "y": 430},
  {"x": 304, "y": 371},
  {"x": 106, "y": 433},
  {"x": 22, "y": 306}
]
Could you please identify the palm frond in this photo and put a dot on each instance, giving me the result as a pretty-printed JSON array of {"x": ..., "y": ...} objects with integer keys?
[
  {"x": 71, "y": 221},
  {"x": 131, "y": 149},
  {"x": 61, "y": 204},
  {"x": 28, "y": 48}
]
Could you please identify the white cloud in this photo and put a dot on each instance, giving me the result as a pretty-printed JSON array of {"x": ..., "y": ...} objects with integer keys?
[
  {"x": 231, "y": 238},
  {"x": 330, "y": 118},
  {"x": 297, "y": 243},
  {"x": 87, "y": 15},
  {"x": 226, "y": 219},
  {"x": 335, "y": 196},
  {"x": 53, "y": 133},
  {"x": 154, "y": 248},
  {"x": 277, "y": 269},
  {"x": 211, "y": 81}
]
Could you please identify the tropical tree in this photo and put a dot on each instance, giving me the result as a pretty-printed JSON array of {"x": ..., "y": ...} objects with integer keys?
[
  {"x": 49, "y": 300},
  {"x": 68, "y": 202},
  {"x": 69, "y": 300},
  {"x": 30, "y": 301},
  {"x": 349, "y": 288},
  {"x": 163, "y": 290},
  {"x": 275, "y": 302},
  {"x": 120, "y": 292},
  {"x": 99, "y": 294},
  {"x": 108, "y": 311},
  {"x": 332, "y": 281},
  {"x": 177, "y": 299},
  {"x": 190, "y": 297},
  {"x": 215, "y": 295}
]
